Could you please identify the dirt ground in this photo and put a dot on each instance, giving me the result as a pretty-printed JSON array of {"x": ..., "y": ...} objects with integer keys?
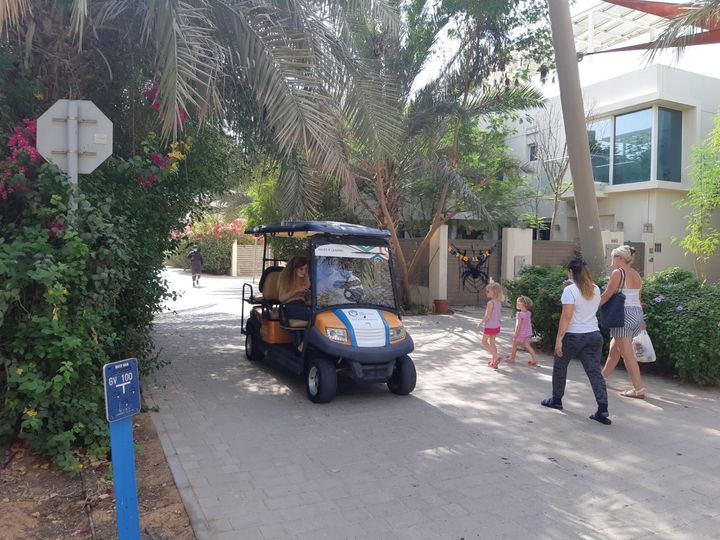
[{"x": 38, "y": 501}]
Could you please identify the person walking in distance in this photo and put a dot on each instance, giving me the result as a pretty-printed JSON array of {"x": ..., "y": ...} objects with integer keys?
[
  {"x": 523, "y": 330},
  {"x": 579, "y": 337},
  {"x": 492, "y": 321},
  {"x": 196, "y": 264},
  {"x": 628, "y": 280}
]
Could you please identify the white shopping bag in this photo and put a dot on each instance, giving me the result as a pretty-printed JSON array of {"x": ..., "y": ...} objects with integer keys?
[{"x": 643, "y": 347}]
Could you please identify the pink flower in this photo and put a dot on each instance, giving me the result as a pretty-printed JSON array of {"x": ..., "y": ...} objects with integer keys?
[
  {"x": 183, "y": 116},
  {"x": 151, "y": 96},
  {"x": 160, "y": 161},
  {"x": 54, "y": 227},
  {"x": 146, "y": 181}
]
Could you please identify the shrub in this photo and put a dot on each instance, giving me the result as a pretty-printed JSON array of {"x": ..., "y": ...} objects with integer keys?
[
  {"x": 683, "y": 320},
  {"x": 544, "y": 286},
  {"x": 682, "y": 316}
]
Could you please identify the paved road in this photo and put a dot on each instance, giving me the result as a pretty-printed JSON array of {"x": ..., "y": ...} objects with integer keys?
[{"x": 470, "y": 454}]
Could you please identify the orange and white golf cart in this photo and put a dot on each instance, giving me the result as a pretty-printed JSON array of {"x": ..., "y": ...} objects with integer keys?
[{"x": 355, "y": 328}]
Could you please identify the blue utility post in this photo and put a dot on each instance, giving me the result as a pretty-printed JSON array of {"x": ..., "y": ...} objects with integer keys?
[{"x": 122, "y": 401}]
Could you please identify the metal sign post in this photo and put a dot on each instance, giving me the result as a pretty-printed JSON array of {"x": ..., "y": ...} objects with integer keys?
[
  {"x": 122, "y": 401},
  {"x": 76, "y": 136}
]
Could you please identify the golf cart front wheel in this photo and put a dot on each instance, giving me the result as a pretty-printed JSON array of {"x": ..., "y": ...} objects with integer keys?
[
  {"x": 404, "y": 377},
  {"x": 321, "y": 380}
]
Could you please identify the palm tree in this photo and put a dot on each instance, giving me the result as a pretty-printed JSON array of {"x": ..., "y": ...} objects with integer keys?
[
  {"x": 284, "y": 66},
  {"x": 431, "y": 121},
  {"x": 702, "y": 16}
]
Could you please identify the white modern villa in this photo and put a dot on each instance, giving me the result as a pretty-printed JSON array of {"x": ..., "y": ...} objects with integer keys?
[{"x": 643, "y": 122}]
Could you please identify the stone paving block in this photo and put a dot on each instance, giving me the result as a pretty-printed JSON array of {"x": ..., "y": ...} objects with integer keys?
[
  {"x": 250, "y": 533},
  {"x": 469, "y": 453}
]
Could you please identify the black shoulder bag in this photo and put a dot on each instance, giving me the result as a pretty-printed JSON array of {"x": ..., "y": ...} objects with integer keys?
[{"x": 613, "y": 311}]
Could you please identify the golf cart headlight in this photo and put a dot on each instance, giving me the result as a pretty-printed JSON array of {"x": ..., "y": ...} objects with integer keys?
[
  {"x": 337, "y": 334},
  {"x": 397, "y": 333}
]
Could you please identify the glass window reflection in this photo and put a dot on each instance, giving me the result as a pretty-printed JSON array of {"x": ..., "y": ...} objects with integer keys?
[
  {"x": 599, "y": 132},
  {"x": 669, "y": 144},
  {"x": 633, "y": 147}
]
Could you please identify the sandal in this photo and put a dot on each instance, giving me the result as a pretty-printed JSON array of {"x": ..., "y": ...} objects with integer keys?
[
  {"x": 494, "y": 363},
  {"x": 532, "y": 362},
  {"x": 637, "y": 394},
  {"x": 509, "y": 358}
]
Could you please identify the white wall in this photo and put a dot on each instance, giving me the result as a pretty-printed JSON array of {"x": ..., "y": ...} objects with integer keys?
[{"x": 698, "y": 96}]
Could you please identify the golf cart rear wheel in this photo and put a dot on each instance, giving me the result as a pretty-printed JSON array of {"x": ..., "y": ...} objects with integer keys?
[
  {"x": 403, "y": 379},
  {"x": 320, "y": 380},
  {"x": 251, "y": 346}
]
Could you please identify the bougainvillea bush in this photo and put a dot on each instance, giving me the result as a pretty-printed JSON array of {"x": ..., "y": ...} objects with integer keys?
[
  {"x": 80, "y": 288},
  {"x": 215, "y": 238}
]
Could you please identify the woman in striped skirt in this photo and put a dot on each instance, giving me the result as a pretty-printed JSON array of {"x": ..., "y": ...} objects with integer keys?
[{"x": 628, "y": 280}]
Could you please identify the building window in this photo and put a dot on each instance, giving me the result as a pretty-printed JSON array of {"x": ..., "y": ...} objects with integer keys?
[
  {"x": 669, "y": 149},
  {"x": 532, "y": 152},
  {"x": 633, "y": 147},
  {"x": 599, "y": 132}
]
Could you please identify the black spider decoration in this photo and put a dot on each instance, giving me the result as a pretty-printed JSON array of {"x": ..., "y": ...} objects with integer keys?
[{"x": 474, "y": 269}]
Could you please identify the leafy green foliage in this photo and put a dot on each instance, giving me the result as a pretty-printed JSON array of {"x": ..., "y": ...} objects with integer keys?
[
  {"x": 79, "y": 289},
  {"x": 703, "y": 200},
  {"x": 62, "y": 280},
  {"x": 543, "y": 285},
  {"x": 683, "y": 320}
]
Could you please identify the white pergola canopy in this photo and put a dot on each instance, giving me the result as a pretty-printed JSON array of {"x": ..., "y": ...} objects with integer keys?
[{"x": 604, "y": 26}]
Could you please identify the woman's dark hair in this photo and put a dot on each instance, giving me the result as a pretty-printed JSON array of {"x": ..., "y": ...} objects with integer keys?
[
  {"x": 582, "y": 278},
  {"x": 287, "y": 276},
  {"x": 298, "y": 261}
]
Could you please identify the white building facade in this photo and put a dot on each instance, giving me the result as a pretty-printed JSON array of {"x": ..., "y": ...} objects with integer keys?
[{"x": 642, "y": 127}]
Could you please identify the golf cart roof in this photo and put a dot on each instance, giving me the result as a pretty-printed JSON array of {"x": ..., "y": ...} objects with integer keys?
[{"x": 302, "y": 229}]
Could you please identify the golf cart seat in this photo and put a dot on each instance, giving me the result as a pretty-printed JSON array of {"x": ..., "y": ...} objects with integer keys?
[{"x": 269, "y": 287}]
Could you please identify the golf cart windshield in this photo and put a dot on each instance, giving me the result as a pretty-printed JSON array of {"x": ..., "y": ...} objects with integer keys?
[{"x": 353, "y": 274}]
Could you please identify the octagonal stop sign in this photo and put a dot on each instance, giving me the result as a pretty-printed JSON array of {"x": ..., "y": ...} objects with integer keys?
[{"x": 75, "y": 135}]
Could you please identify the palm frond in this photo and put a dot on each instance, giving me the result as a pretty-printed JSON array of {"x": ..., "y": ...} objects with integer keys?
[
  {"x": 505, "y": 99},
  {"x": 698, "y": 16},
  {"x": 440, "y": 168},
  {"x": 12, "y": 12},
  {"x": 299, "y": 189},
  {"x": 370, "y": 98},
  {"x": 279, "y": 69},
  {"x": 77, "y": 20},
  {"x": 188, "y": 57}
]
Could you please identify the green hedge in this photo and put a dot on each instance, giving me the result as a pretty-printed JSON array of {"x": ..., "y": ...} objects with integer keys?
[
  {"x": 543, "y": 285},
  {"x": 683, "y": 319},
  {"x": 682, "y": 315}
]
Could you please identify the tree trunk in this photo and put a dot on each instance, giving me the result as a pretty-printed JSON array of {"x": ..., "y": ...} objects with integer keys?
[
  {"x": 394, "y": 240},
  {"x": 556, "y": 208}
]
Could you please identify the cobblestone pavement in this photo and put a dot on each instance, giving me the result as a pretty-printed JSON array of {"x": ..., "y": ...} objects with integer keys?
[{"x": 470, "y": 454}]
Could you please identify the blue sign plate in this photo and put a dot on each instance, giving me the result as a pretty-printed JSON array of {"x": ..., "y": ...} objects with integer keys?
[{"x": 122, "y": 389}]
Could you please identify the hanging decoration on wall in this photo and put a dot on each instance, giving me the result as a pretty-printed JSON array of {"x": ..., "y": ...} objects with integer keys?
[{"x": 473, "y": 267}]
